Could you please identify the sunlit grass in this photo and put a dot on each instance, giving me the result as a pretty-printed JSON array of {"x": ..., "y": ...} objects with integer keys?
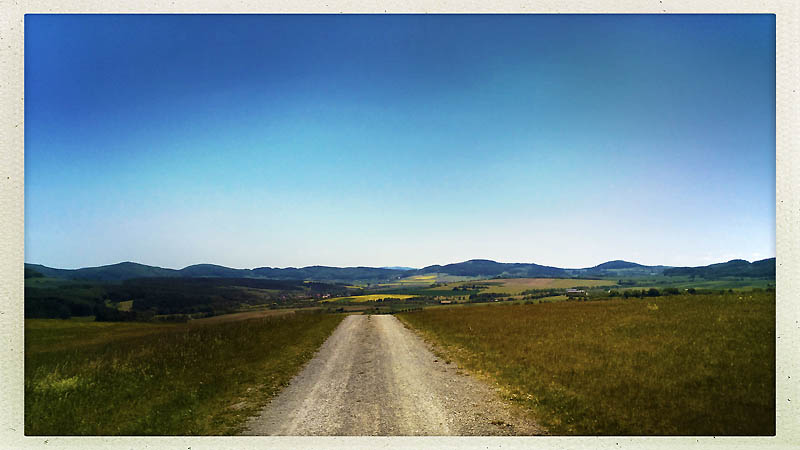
[
  {"x": 678, "y": 365},
  {"x": 90, "y": 378}
]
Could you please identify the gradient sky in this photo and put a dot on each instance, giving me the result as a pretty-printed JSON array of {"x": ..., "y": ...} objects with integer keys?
[{"x": 345, "y": 140}]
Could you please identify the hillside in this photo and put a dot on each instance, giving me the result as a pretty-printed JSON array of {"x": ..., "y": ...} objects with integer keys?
[
  {"x": 483, "y": 268},
  {"x": 325, "y": 273},
  {"x": 488, "y": 268},
  {"x": 213, "y": 270},
  {"x": 171, "y": 295},
  {"x": 764, "y": 268},
  {"x": 619, "y": 268},
  {"x": 617, "y": 264},
  {"x": 129, "y": 270},
  {"x": 114, "y": 272}
]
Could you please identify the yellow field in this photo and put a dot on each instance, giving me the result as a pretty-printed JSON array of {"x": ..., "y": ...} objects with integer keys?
[
  {"x": 125, "y": 306},
  {"x": 419, "y": 279},
  {"x": 515, "y": 286},
  {"x": 367, "y": 298},
  {"x": 423, "y": 280}
]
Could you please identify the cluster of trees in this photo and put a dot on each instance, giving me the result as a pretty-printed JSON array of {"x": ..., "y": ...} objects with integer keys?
[
  {"x": 485, "y": 297},
  {"x": 48, "y": 308},
  {"x": 471, "y": 287},
  {"x": 533, "y": 294},
  {"x": 63, "y": 302},
  {"x": 641, "y": 293},
  {"x": 377, "y": 310},
  {"x": 389, "y": 300}
]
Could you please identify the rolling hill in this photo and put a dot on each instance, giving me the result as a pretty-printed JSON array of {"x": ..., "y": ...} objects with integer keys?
[
  {"x": 114, "y": 272},
  {"x": 129, "y": 270},
  {"x": 475, "y": 268},
  {"x": 325, "y": 273},
  {"x": 489, "y": 268},
  {"x": 764, "y": 268},
  {"x": 617, "y": 264}
]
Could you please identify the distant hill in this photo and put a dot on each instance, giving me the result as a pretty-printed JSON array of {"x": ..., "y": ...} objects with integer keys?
[
  {"x": 475, "y": 268},
  {"x": 213, "y": 270},
  {"x": 113, "y": 272},
  {"x": 325, "y": 273},
  {"x": 129, "y": 270},
  {"x": 618, "y": 268},
  {"x": 489, "y": 268},
  {"x": 764, "y": 268},
  {"x": 617, "y": 264}
]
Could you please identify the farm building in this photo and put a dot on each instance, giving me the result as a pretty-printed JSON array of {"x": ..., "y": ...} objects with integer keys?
[{"x": 576, "y": 293}]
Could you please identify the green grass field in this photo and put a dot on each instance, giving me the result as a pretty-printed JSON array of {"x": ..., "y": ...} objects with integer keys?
[
  {"x": 677, "y": 365},
  {"x": 515, "y": 286},
  {"x": 684, "y": 282},
  {"x": 95, "y": 378}
]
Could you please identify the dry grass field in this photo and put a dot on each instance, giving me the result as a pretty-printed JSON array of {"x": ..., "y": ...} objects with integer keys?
[
  {"x": 515, "y": 286},
  {"x": 676, "y": 365}
]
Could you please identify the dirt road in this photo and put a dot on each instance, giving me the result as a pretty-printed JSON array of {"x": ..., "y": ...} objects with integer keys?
[{"x": 375, "y": 377}]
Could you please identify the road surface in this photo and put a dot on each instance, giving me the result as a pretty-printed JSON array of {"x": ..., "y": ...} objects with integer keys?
[{"x": 374, "y": 377}]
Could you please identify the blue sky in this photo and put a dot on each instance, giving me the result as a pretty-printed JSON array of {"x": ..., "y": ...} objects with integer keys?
[{"x": 343, "y": 140}]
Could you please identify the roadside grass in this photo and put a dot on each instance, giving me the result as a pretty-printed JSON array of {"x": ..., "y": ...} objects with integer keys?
[
  {"x": 677, "y": 365},
  {"x": 93, "y": 378}
]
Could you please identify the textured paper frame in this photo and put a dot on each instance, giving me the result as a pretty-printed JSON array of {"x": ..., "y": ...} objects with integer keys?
[{"x": 12, "y": 218}]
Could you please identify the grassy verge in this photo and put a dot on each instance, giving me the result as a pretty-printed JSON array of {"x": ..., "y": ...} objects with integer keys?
[
  {"x": 89, "y": 378},
  {"x": 678, "y": 365}
]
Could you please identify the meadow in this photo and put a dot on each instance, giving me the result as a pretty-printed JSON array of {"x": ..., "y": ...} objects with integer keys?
[
  {"x": 95, "y": 378},
  {"x": 515, "y": 286},
  {"x": 674, "y": 365}
]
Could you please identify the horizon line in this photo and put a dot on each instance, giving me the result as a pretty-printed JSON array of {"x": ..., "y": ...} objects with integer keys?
[{"x": 389, "y": 267}]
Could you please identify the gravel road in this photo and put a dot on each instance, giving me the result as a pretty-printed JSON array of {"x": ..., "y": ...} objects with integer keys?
[{"x": 374, "y": 377}]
